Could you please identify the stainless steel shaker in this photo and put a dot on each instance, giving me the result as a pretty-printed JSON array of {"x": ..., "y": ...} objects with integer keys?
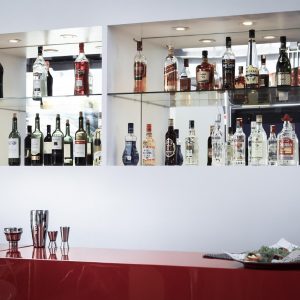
[{"x": 39, "y": 226}]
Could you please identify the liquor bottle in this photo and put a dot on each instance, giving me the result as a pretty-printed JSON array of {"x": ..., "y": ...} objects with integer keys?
[
  {"x": 217, "y": 142},
  {"x": 239, "y": 144},
  {"x": 14, "y": 144},
  {"x": 204, "y": 74},
  {"x": 185, "y": 77},
  {"x": 216, "y": 80},
  {"x": 37, "y": 141},
  {"x": 57, "y": 144},
  {"x": 263, "y": 73},
  {"x": 68, "y": 146},
  {"x": 171, "y": 71},
  {"x": 49, "y": 80},
  {"x": 97, "y": 148},
  {"x": 39, "y": 76},
  {"x": 296, "y": 145},
  {"x": 253, "y": 128},
  {"x": 240, "y": 80},
  {"x": 48, "y": 147},
  {"x": 149, "y": 148},
  {"x": 191, "y": 146},
  {"x": 283, "y": 66},
  {"x": 130, "y": 155},
  {"x": 259, "y": 145},
  {"x": 1, "y": 80},
  {"x": 272, "y": 147},
  {"x": 252, "y": 62},
  {"x": 229, "y": 148},
  {"x": 228, "y": 66},
  {"x": 286, "y": 148},
  {"x": 89, "y": 144},
  {"x": 82, "y": 68},
  {"x": 170, "y": 145},
  {"x": 27, "y": 147},
  {"x": 140, "y": 69},
  {"x": 80, "y": 143},
  {"x": 179, "y": 156},
  {"x": 209, "y": 146}
]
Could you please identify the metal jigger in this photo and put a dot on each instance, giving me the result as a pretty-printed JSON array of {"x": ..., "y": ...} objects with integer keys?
[
  {"x": 64, "y": 232},
  {"x": 52, "y": 237},
  {"x": 13, "y": 235}
]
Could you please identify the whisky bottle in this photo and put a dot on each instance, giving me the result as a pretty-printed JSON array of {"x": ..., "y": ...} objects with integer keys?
[
  {"x": 48, "y": 147},
  {"x": 263, "y": 73},
  {"x": 252, "y": 62},
  {"x": 149, "y": 148},
  {"x": 171, "y": 71},
  {"x": 57, "y": 144},
  {"x": 283, "y": 66},
  {"x": 185, "y": 77},
  {"x": 37, "y": 141},
  {"x": 272, "y": 147},
  {"x": 209, "y": 146},
  {"x": 14, "y": 144},
  {"x": 228, "y": 66},
  {"x": 191, "y": 146},
  {"x": 130, "y": 155},
  {"x": 229, "y": 148},
  {"x": 89, "y": 144},
  {"x": 170, "y": 145},
  {"x": 81, "y": 67},
  {"x": 217, "y": 141},
  {"x": 68, "y": 146},
  {"x": 27, "y": 147},
  {"x": 239, "y": 144},
  {"x": 253, "y": 128},
  {"x": 97, "y": 148},
  {"x": 140, "y": 69},
  {"x": 39, "y": 76},
  {"x": 80, "y": 143},
  {"x": 204, "y": 74}
]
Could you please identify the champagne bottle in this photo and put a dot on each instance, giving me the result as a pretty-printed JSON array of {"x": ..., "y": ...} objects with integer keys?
[{"x": 14, "y": 144}]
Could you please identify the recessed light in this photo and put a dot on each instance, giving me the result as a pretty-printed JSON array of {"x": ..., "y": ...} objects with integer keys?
[
  {"x": 207, "y": 41},
  {"x": 14, "y": 41},
  {"x": 247, "y": 23},
  {"x": 181, "y": 28},
  {"x": 269, "y": 37},
  {"x": 50, "y": 50},
  {"x": 68, "y": 36}
]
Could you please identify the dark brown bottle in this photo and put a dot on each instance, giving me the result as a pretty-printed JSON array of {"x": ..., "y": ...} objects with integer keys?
[
  {"x": 170, "y": 145},
  {"x": 205, "y": 74},
  {"x": 1, "y": 80},
  {"x": 27, "y": 147}
]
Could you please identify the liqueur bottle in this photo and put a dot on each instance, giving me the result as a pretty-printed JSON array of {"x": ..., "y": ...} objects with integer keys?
[
  {"x": 185, "y": 77},
  {"x": 228, "y": 66},
  {"x": 140, "y": 69},
  {"x": 253, "y": 128},
  {"x": 27, "y": 147},
  {"x": 171, "y": 71},
  {"x": 80, "y": 143},
  {"x": 37, "y": 141},
  {"x": 82, "y": 68},
  {"x": 229, "y": 148},
  {"x": 240, "y": 80},
  {"x": 149, "y": 148},
  {"x": 57, "y": 144},
  {"x": 14, "y": 144},
  {"x": 252, "y": 62},
  {"x": 39, "y": 76},
  {"x": 97, "y": 148},
  {"x": 283, "y": 66},
  {"x": 263, "y": 73},
  {"x": 170, "y": 145},
  {"x": 272, "y": 147},
  {"x": 48, "y": 147},
  {"x": 191, "y": 146},
  {"x": 204, "y": 74},
  {"x": 179, "y": 156},
  {"x": 259, "y": 146},
  {"x": 89, "y": 145},
  {"x": 1, "y": 80},
  {"x": 68, "y": 146},
  {"x": 209, "y": 146},
  {"x": 130, "y": 155},
  {"x": 217, "y": 142},
  {"x": 239, "y": 144}
]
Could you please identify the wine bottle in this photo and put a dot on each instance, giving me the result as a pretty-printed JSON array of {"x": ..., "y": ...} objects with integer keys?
[
  {"x": 170, "y": 145},
  {"x": 89, "y": 144},
  {"x": 48, "y": 147},
  {"x": 37, "y": 138},
  {"x": 97, "y": 148},
  {"x": 140, "y": 69},
  {"x": 80, "y": 143},
  {"x": 68, "y": 146},
  {"x": 283, "y": 66},
  {"x": 39, "y": 76},
  {"x": 81, "y": 73},
  {"x": 130, "y": 155},
  {"x": 14, "y": 144},
  {"x": 57, "y": 144},
  {"x": 252, "y": 62},
  {"x": 27, "y": 147}
]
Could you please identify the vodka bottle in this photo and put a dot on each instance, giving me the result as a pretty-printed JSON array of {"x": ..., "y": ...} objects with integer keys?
[
  {"x": 229, "y": 148},
  {"x": 239, "y": 144},
  {"x": 253, "y": 128},
  {"x": 272, "y": 147},
  {"x": 217, "y": 141},
  {"x": 191, "y": 146}
]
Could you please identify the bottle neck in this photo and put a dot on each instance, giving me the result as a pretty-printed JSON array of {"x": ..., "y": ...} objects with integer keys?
[
  {"x": 58, "y": 124},
  {"x": 37, "y": 124},
  {"x": 15, "y": 124},
  {"x": 192, "y": 131},
  {"x": 67, "y": 129},
  {"x": 204, "y": 59},
  {"x": 88, "y": 129},
  {"x": 149, "y": 134},
  {"x": 80, "y": 123},
  {"x": 48, "y": 131}
]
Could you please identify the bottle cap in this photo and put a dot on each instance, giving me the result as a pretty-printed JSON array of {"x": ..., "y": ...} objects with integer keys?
[
  {"x": 286, "y": 117},
  {"x": 40, "y": 50},
  {"x": 139, "y": 45},
  {"x": 149, "y": 127},
  {"x": 67, "y": 122},
  {"x": 130, "y": 127},
  {"x": 171, "y": 122},
  {"x": 14, "y": 115},
  {"x": 80, "y": 114},
  {"x": 192, "y": 124},
  {"x": 48, "y": 127},
  {"x": 177, "y": 133},
  {"x": 37, "y": 115},
  {"x": 241, "y": 69},
  {"x": 283, "y": 39},
  {"x": 228, "y": 42},
  {"x": 258, "y": 118},
  {"x": 186, "y": 62},
  {"x": 204, "y": 53},
  {"x": 81, "y": 47},
  {"x": 29, "y": 128},
  {"x": 57, "y": 116},
  {"x": 239, "y": 121},
  {"x": 252, "y": 34},
  {"x": 263, "y": 59}
]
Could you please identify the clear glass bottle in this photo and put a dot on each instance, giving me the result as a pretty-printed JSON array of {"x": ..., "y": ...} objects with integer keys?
[
  {"x": 217, "y": 142},
  {"x": 217, "y": 79},
  {"x": 68, "y": 146},
  {"x": 149, "y": 148},
  {"x": 185, "y": 77},
  {"x": 263, "y": 73},
  {"x": 204, "y": 74},
  {"x": 97, "y": 148},
  {"x": 81, "y": 69},
  {"x": 39, "y": 76},
  {"x": 170, "y": 145},
  {"x": 296, "y": 144},
  {"x": 171, "y": 71},
  {"x": 283, "y": 66},
  {"x": 80, "y": 143},
  {"x": 57, "y": 144},
  {"x": 286, "y": 146},
  {"x": 209, "y": 146},
  {"x": 259, "y": 146},
  {"x": 130, "y": 155},
  {"x": 239, "y": 144},
  {"x": 228, "y": 66},
  {"x": 240, "y": 80},
  {"x": 191, "y": 146},
  {"x": 27, "y": 147},
  {"x": 140, "y": 69},
  {"x": 253, "y": 128},
  {"x": 179, "y": 156},
  {"x": 48, "y": 147},
  {"x": 252, "y": 62},
  {"x": 37, "y": 141},
  {"x": 14, "y": 144},
  {"x": 272, "y": 147},
  {"x": 89, "y": 144},
  {"x": 229, "y": 148}
]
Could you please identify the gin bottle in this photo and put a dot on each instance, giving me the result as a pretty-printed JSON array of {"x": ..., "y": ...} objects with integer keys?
[
  {"x": 253, "y": 128},
  {"x": 130, "y": 154},
  {"x": 217, "y": 144},
  {"x": 191, "y": 146},
  {"x": 149, "y": 148},
  {"x": 229, "y": 148},
  {"x": 239, "y": 143},
  {"x": 272, "y": 147}
]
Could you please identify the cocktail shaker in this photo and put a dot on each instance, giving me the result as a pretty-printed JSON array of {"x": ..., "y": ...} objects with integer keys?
[{"x": 39, "y": 226}]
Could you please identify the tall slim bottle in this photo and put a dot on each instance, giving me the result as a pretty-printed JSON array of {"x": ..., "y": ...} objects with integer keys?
[
  {"x": 148, "y": 148},
  {"x": 252, "y": 62},
  {"x": 229, "y": 148},
  {"x": 57, "y": 144},
  {"x": 48, "y": 147},
  {"x": 140, "y": 69},
  {"x": 209, "y": 146},
  {"x": 171, "y": 71},
  {"x": 14, "y": 144},
  {"x": 89, "y": 144},
  {"x": 179, "y": 156},
  {"x": 82, "y": 68},
  {"x": 1, "y": 80},
  {"x": 217, "y": 141},
  {"x": 170, "y": 145},
  {"x": 27, "y": 147},
  {"x": 191, "y": 146},
  {"x": 37, "y": 141},
  {"x": 228, "y": 66},
  {"x": 272, "y": 147},
  {"x": 80, "y": 143},
  {"x": 283, "y": 66},
  {"x": 239, "y": 144},
  {"x": 97, "y": 148},
  {"x": 68, "y": 146},
  {"x": 39, "y": 76}
]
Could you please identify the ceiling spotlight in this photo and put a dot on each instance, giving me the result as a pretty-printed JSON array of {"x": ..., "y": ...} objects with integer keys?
[
  {"x": 68, "y": 36},
  {"x": 207, "y": 41},
  {"x": 247, "y": 23},
  {"x": 14, "y": 41},
  {"x": 181, "y": 28},
  {"x": 269, "y": 37}
]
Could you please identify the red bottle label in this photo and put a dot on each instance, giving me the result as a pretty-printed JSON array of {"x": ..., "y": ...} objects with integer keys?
[
  {"x": 81, "y": 78},
  {"x": 286, "y": 147}
]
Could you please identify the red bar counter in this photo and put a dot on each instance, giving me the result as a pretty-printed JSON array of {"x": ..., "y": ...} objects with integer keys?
[{"x": 90, "y": 274}]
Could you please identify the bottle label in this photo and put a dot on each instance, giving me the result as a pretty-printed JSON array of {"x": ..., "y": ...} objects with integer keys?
[
  {"x": 228, "y": 73},
  {"x": 202, "y": 76},
  {"x": 170, "y": 148},
  {"x": 47, "y": 148},
  {"x": 251, "y": 75},
  {"x": 272, "y": 151},
  {"x": 57, "y": 143},
  {"x": 97, "y": 158},
  {"x": 283, "y": 78},
  {"x": 78, "y": 83},
  {"x": 37, "y": 82},
  {"x": 209, "y": 153},
  {"x": 89, "y": 148},
  {"x": 35, "y": 146},
  {"x": 79, "y": 148},
  {"x": 148, "y": 153},
  {"x": 286, "y": 149},
  {"x": 189, "y": 153},
  {"x": 139, "y": 70},
  {"x": 239, "y": 150},
  {"x": 13, "y": 148},
  {"x": 264, "y": 80},
  {"x": 67, "y": 150},
  {"x": 229, "y": 153},
  {"x": 257, "y": 150},
  {"x": 171, "y": 77}
]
